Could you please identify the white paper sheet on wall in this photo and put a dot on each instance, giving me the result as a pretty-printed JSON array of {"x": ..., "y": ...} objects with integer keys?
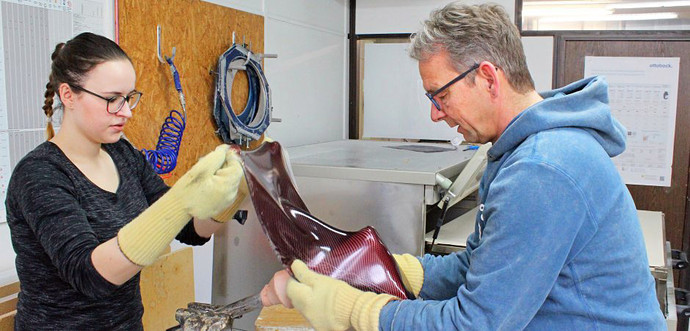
[
  {"x": 29, "y": 31},
  {"x": 643, "y": 94}
]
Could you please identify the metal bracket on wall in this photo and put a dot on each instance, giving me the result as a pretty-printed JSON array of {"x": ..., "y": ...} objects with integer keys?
[{"x": 158, "y": 46}]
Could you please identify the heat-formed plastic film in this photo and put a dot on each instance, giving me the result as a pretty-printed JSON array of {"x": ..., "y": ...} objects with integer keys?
[{"x": 358, "y": 258}]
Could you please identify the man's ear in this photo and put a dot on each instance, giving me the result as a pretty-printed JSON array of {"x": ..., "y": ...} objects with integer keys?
[
  {"x": 489, "y": 73},
  {"x": 66, "y": 95}
]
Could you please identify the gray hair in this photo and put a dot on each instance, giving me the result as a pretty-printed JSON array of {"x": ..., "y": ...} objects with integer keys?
[{"x": 472, "y": 34}]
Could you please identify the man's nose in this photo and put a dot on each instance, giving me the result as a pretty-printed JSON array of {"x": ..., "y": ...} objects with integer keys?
[{"x": 436, "y": 115}]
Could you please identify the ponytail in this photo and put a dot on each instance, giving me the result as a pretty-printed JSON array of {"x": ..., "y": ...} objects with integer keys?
[
  {"x": 50, "y": 95},
  {"x": 48, "y": 110}
]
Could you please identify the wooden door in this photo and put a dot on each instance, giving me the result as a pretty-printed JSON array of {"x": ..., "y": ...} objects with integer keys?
[{"x": 672, "y": 201}]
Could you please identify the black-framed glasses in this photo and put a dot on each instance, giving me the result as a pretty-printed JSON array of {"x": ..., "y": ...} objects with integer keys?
[
  {"x": 432, "y": 96},
  {"x": 114, "y": 104}
]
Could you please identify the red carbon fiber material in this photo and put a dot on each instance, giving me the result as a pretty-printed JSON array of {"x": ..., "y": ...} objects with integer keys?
[{"x": 358, "y": 258}]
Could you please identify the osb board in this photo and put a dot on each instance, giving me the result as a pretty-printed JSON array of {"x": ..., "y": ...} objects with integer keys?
[
  {"x": 9, "y": 289},
  {"x": 8, "y": 304},
  {"x": 201, "y": 32},
  {"x": 7, "y": 321},
  {"x": 167, "y": 285},
  {"x": 275, "y": 318}
]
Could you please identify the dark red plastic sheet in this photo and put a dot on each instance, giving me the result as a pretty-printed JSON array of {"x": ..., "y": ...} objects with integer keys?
[{"x": 358, "y": 258}]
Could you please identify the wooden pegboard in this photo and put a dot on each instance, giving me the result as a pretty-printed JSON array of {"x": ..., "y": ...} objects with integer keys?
[{"x": 201, "y": 32}]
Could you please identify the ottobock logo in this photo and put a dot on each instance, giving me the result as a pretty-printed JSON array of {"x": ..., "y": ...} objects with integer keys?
[{"x": 660, "y": 65}]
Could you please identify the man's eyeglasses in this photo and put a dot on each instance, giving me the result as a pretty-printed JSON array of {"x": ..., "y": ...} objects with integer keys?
[
  {"x": 115, "y": 103},
  {"x": 432, "y": 96}
]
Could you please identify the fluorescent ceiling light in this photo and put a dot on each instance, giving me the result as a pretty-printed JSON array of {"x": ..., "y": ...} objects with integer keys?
[
  {"x": 650, "y": 4},
  {"x": 561, "y": 3},
  {"x": 615, "y": 17},
  {"x": 566, "y": 12}
]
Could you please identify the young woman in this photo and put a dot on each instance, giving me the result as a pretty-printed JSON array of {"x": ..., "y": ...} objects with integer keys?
[{"x": 85, "y": 209}]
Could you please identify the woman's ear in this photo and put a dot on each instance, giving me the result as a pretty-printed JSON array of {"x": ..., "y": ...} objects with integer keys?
[{"x": 66, "y": 95}]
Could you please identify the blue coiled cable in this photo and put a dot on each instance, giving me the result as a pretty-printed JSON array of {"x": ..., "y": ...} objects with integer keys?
[{"x": 164, "y": 158}]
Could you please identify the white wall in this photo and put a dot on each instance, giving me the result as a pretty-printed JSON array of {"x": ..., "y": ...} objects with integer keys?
[
  {"x": 404, "y": 16},
  {"x": 539, "y": 53},
  {"x": 309, "y": 77},
  {"x": 8, "y": 274}
]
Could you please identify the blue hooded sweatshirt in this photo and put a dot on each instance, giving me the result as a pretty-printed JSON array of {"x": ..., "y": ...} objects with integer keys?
[{"x": 557, "y": 242}]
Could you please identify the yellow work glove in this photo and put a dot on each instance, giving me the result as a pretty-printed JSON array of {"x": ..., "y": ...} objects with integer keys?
[
  {"x": 331, "y": 304},
  {"x": 242, "y": 193},
  {"x": 411, "y": 272},
  {"x": 228, "y": 213},
  {"x": 208, "y": 187}
]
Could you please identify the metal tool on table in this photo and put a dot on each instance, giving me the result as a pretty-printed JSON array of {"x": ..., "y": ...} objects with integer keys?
[{"x": 206, "y": 317}]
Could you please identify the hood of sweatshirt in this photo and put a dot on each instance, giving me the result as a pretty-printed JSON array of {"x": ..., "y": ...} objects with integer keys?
[{"x": 583, "y": 104}]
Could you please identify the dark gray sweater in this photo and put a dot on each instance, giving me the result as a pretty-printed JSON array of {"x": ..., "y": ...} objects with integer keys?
[{"x": 57, "y": 217}]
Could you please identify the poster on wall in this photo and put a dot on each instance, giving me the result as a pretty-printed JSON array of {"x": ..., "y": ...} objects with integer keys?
[
  {"x": 29, "y": 31},
  {"x": 643, "y": 94}
]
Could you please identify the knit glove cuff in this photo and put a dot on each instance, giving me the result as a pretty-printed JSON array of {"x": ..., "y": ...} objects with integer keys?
[
  {"x": 229, "y": 212},
  {"x": 411, "y": 271}
]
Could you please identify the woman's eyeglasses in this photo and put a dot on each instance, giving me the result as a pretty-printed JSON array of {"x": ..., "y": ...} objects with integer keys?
[{"x": 115, "y": 103}]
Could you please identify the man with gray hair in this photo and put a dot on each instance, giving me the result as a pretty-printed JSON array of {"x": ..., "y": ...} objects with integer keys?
[{"x": 557, "y": 243}]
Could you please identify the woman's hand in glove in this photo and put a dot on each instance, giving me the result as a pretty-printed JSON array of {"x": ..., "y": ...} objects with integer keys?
[{"x": 211, "y": 185}]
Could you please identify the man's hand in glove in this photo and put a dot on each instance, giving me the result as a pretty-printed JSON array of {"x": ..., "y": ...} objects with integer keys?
[
  {"x": 331, "y": 304},
  {"x": 411, "y": 271}
]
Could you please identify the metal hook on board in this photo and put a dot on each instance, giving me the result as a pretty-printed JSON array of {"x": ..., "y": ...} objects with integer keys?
[
  {"x": 158, "y": 36},
  {"x": 249, "y": 57},
  {"x": 257, "y": 56}
]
